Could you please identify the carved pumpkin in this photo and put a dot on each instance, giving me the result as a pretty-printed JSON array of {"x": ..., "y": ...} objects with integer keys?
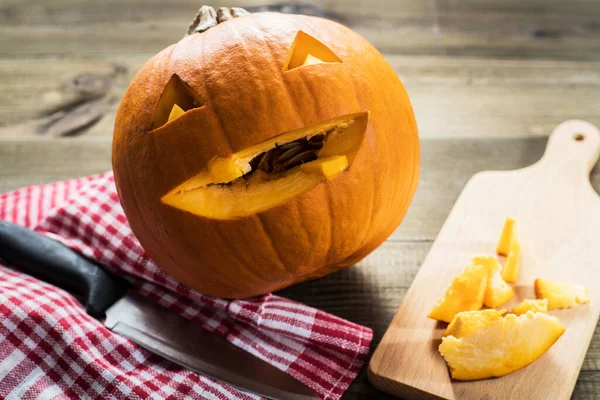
[{"x": 268, "y": 150}]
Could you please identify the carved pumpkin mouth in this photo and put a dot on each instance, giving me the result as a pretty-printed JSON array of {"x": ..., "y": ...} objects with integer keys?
[{"x": 272, "y": 172}]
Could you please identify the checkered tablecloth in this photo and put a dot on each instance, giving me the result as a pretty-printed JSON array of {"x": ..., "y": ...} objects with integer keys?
[{"x": 50, "y": 348}]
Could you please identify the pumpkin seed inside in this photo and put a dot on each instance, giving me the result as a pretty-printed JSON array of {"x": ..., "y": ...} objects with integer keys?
[
  {"x": 292, "y": 154},
  {"x": 286, "y": 156}
]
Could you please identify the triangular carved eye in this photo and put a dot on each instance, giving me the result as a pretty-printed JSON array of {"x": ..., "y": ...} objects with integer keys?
[
  {"x": 306, "y": 50},
  {"x": 176, "y": 92}
]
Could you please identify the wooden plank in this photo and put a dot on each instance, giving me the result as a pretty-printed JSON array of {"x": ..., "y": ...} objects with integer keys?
[
  {"x": 587, "y": 386},
  {"x": 499, "y": 98},
  {"x": 538, "y": 29},
  {"x": 30, "y": 90},
  {"x": 27, "y": 162},
  {"x": 532, "y": 29},
  {"x": 82, "y": 28}
]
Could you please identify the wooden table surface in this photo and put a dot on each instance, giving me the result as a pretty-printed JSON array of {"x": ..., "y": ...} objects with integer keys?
[{"x": 489, "y": 80}]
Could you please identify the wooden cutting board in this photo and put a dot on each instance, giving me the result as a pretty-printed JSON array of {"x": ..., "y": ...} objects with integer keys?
[{"x": 558, "y": 213}]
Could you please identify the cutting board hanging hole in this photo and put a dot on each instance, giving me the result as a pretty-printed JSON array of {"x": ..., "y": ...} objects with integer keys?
[{"x": 573, "y": 144}]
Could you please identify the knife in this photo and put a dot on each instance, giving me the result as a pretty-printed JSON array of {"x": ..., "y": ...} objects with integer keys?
[{"x": 107, "y": 298}]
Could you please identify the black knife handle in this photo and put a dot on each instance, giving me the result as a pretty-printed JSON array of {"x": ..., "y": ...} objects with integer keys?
[{"x": 57, "y": 264}]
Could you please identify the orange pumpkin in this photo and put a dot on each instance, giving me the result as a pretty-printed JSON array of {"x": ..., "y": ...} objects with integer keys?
[{"x": 198, "y": 121}]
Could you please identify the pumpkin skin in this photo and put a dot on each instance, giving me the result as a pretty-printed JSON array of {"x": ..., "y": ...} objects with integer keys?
[{"x": 238, "y": 69}]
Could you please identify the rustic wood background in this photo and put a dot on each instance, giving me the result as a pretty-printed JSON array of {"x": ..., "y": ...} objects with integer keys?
[{"x": 489, "y": 80}]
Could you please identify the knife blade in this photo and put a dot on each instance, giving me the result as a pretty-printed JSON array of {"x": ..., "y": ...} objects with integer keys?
[{"x": 108, "y": 298}]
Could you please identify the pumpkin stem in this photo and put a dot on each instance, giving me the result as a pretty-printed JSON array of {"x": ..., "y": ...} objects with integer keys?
[{"x": 207, "y": 17}]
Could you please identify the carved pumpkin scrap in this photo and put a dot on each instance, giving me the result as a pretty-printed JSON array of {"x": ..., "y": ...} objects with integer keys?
[{"x": 264, "y": 151}]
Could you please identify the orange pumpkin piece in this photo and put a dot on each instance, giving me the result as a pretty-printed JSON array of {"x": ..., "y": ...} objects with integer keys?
[
  {"x": 539, "y": 305},
  {"x": 510, "y": 247},
  {"x": 176, "y": 112},
  {"x": 311, "y": 60},
  {"x": 328, "y": 167},
  {"x": 268, "y": 150},
  {"x": 512, "y": 266},
  {"x": 560, "y": 294},
  {"x": 509, "y": 232},
  {"x": 465, "y": 293},
  {"x": 470, "y": 321},
  {"x": 489, "y": 345},
  {"x": 497, "y": 292}
]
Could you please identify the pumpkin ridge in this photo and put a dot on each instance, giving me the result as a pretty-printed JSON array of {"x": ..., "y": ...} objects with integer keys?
[
  {"x": 209, "y": 93},
  {"x": 241, "y": 261},
  {"x": 272, "y": 244},
  {"x": 287, "y": 89},
  {"x": 307, "y": 238},
  {"x": 367, "y": 231},
  {"x": 233, "y": 253},
  {"x": 330, "y": 217},
  {"x": 375, "y": 203}
]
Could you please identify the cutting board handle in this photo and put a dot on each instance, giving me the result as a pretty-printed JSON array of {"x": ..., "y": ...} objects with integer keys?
[{"x": 573, "y": 144}]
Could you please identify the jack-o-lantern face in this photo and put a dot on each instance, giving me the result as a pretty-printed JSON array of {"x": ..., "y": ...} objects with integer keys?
[
  {"x": 267, "y": 150},
  {"x": 275, "y": 170}
]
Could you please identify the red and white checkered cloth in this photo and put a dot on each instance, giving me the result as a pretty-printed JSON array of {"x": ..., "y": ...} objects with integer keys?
[{"x": 50, "y": 348}]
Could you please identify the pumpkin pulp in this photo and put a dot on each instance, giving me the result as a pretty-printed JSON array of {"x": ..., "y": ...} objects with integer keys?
[
  {"x": 484, "y": 344},
  {"x": 238, "y": 185}
]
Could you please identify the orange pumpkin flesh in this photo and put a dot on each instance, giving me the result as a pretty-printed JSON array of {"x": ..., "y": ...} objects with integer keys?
[{"x": 246, "y": 86}]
